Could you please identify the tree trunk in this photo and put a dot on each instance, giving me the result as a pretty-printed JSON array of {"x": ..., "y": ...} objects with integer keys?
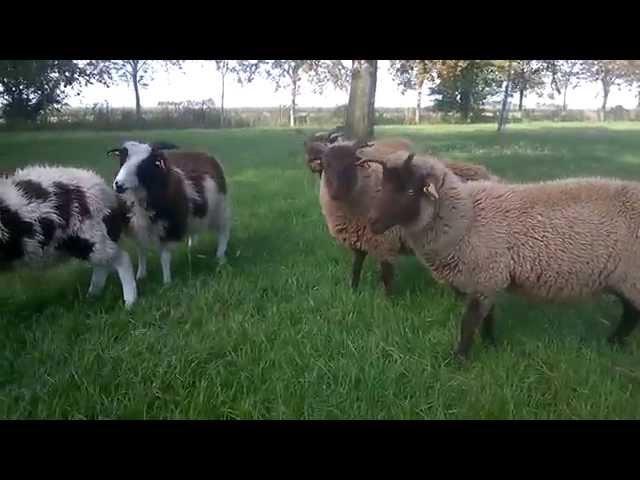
[
  {"x": 605, "y": 90},
  {"x": 292, "y": 111},
  {"x": 134, "y": 78},
  {"x": 362, "y": 97},
  {"x": 503, "y": 110},
  {"x": 564, "y": 98},
  {"x": 419, "y": 102},
  {"x": 222, "y": 75},
  {"x": 521, "y": 100}
]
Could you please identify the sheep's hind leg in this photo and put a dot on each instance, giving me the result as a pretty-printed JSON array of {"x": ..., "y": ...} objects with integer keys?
[
  {"x": 224, "y": 232},
  {"x": 477, "y": 310},
  {"x": 628, "y": 322},
  {"x": 387, "y": 277},
  {"x": 358, "y": 260},
  {"x": 165, "y": 263},
  {"x": 487, "y": 330}
]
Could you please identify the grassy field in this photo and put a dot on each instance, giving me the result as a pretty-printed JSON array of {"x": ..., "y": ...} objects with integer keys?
[{"x": 277, "y": 333}]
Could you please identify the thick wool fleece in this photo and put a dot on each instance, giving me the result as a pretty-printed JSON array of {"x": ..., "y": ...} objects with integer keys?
[
  {"x": 554, "y": 240},
  {"x": 348, "y": 221}
]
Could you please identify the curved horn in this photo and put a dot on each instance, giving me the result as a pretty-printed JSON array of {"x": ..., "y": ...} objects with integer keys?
[{"x": 372, "y": 160}]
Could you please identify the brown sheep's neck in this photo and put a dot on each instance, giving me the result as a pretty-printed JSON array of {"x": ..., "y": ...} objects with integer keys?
[{"x": 437, "y": 240}]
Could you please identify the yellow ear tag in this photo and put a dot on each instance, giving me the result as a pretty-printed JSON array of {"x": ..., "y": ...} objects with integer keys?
[{"x": 429, "y": 189}]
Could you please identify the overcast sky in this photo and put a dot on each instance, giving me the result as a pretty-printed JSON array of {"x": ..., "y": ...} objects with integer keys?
[{"x": 199, "y": 81}]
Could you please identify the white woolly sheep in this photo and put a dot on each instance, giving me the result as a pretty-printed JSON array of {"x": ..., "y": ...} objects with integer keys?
[{"x": 48, "y": 214}]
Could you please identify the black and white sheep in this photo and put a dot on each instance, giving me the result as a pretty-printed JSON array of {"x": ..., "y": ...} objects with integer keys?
[
  {"x": 171, "y": 195},
  {"x": 48, "y": 214}
]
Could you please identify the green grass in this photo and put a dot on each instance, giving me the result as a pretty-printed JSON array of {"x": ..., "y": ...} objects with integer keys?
[{"x": 277, "y": 333}]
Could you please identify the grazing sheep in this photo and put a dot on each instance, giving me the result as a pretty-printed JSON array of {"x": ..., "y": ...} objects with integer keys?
[
  {"x": 347, "y": 189},
  {"x": 556, "y": 240},
  {"x": 171, "y": 196},
  {"x": 48, "y": 214}
]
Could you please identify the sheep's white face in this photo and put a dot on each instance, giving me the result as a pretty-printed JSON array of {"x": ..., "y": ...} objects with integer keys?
[{"x": 133, "y": 153}]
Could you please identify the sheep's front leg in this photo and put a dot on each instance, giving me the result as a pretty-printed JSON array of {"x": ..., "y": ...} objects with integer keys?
[
  {"x": 122, "y": 264},
  {"x": 477, "y": 310},
  {"x": 358, "y": 260},
  {"x": 628, "y": 322},
  {"x": 387, "y": 277},
  {"x": 98, "y": 279},
  {"x": 142, "y": 264},
  {"x": 165, "y": 261}
]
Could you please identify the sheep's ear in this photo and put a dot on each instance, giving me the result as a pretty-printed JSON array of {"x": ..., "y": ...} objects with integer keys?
[
  {"x": 317, "y": 148},
  {"x": 315, "y": 166}
]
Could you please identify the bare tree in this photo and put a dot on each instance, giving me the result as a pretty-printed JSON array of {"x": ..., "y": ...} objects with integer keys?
[
  {"x": 564, "y": 76},
  {"x": 609, "y": 73},
  {"x": 527, "y": 76},
  {"x": 502, "y": 120},
  {"x": 224, "y": 67},
  {"x": 289, "y": 73},
  {"x": 412, "y": 75},
  {"x": 138, "y": 73}
]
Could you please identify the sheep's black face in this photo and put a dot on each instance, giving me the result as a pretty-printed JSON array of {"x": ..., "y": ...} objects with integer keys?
[
  {"x": 398, "y": 202},
  {"x": 141, "y": 166},
  {"x": 152, "y": 173},
  {"x": 340, "y": 171}
]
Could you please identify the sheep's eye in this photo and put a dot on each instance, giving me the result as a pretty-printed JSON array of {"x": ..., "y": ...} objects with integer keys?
[
  {"x": 411, "y": 191},
  {"x": 158, "y": 163}
]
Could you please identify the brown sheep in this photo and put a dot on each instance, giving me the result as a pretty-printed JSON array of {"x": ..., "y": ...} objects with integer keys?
[
  {"x": 347, "y": 188},
  {"x": 557, "y": 240}
]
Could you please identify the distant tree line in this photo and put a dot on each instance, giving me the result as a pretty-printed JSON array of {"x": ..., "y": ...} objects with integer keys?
[{"x": 31, "y": 90}]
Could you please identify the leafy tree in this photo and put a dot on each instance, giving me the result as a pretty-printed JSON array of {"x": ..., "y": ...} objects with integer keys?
[
  {"x": 527, "y": 76},
  {"x": 463, "y": 86},
  {"x": 32, "y": 88},
  {"x": 631, "y": 70}
]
